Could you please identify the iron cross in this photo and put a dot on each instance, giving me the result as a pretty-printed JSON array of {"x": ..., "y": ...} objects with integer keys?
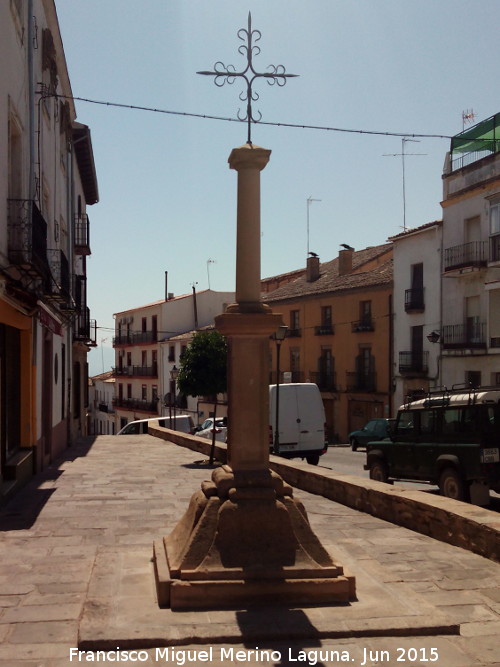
[{"x": 227, "y": 74}]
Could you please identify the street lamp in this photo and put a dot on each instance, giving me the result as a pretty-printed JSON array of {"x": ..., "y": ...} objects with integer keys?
[
  {"x": 174, "y": 374},
  {"x": 279, "y": 337}
]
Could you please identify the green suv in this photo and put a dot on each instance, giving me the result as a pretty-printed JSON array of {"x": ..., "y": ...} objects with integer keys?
[{"x": 450, "y": 438}]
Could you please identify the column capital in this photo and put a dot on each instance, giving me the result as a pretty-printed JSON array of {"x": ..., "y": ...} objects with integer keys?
[{"x": 249, "y": 157}]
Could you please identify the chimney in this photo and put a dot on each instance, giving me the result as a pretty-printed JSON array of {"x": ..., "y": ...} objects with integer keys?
[
  {"x": 312, "y": 269},
  {"x": 345, "y": 262}
]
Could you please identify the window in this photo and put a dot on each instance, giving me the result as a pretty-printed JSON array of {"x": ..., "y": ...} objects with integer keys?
[
  {"x": 144, "y": 323},
  {"x": 294, "y": 322},
  {"x": 129, "y": 391},
  {"x": 473, "y": 378},
  {"x": 144, "y": 392},
  {"x": 365, "y": 313},
  {"x": 326, "y": 316},
  {"x": 171, "y": 353},
  {"x": 495, "y": 231}
]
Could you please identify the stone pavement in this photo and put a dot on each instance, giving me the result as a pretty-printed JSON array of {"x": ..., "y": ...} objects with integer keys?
[{"x": 81, "y": 533}]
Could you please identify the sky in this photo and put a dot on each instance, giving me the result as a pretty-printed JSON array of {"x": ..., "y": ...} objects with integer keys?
[{"x": 383, "y": 69}]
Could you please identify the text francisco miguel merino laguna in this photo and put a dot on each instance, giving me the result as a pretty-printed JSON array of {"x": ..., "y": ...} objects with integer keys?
[{"x": 180, "y": 656}]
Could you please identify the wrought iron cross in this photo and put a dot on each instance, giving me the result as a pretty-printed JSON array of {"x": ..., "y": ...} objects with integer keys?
[{"x": 227, "y": 74}]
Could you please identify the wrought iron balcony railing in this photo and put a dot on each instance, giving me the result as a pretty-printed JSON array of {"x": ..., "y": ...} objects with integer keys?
[
  {"x": 472, "y": 254},
  {"x": 82, "y": 234},
  {"x": 85, "y": 329},
  {"x": 365, "y": 324},
  {"x": 137, "y": 371},
  {"x": 361, "y": 382},
  {"x": 59, "y": 286},
  {"x": 326, "y": 381},
  {"x": 324, "y": 330},
  {"x": 27, "y": 237},
  {"x": 135, "y": 338},
  {"x": 414, "y": 362},
  {"x": 414, "y": 299},
  {"x": 136, "y": 404},
  {"x": 470, "y": 335}
]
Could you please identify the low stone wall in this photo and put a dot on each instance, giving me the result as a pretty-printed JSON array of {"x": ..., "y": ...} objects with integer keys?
[{"x": 468, "y": 526}]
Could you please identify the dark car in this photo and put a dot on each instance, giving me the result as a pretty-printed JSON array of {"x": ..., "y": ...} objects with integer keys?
[{"x": 375, "y": 429}]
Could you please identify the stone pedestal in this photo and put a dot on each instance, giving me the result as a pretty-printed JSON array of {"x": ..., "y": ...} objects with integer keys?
[{"x": 244, "y": 539}]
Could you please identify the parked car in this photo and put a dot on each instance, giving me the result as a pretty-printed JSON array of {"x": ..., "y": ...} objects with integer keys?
[
  {"x": 301, "y": 421},
  {"x": 450, "y": 439},
  {"x": 375, "y": 429},
  {"x": 206, "y": 429},
  {"x": 183, "y": 423}
]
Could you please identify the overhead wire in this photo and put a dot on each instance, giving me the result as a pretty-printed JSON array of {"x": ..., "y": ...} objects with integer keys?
[{"x": 303, "y": 126}]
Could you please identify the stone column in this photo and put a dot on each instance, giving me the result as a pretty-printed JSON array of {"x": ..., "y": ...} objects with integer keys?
[
  {"x": 248, "y": 325},
  {"x": 244, "y": 538}
]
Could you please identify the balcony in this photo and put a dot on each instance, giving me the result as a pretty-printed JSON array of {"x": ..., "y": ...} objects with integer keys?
[
  {"x": 470, "y": 335},
  {"x": 82, "y": 235},
  {"x": 361, "y": 382},
  {"x": 58, "y": 286},
  {"x": 324, "y": 330},
  {"x": 326, "y": 381},
  {"x": 414, "y": 300},
  {"x": 467, "y": 255},
  {"x": 27, "y": 238},
  {"x": 366, "y": 324},
  {"x": 85, "y": 329},
  {"x": 136, "y": 404},
  {"x": 137, "y": 371},
  {"x": 414, "y": 362},
  {"x": 294, "y": 333},
  {"x": 135, "y": 338},
  {"x": 105, "y": 407}
]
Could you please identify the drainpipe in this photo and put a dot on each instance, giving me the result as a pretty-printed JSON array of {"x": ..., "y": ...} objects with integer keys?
[
  {"x": 31, "y": 101},
  {"x": 195, "y": 307}
]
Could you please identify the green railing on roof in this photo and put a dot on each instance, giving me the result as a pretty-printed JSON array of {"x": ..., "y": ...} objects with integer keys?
[{"x": 476, "y": 142}]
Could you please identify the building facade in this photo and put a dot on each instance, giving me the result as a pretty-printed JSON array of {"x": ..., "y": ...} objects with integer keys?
[
  {"x": 47, "y": 181},
  {"x": 101, "y": 410},
  {"x": 470, "y": 331},
  {"x": 417, "y": 310},
  {"x": 339, "y": 319},
  {"x": 144, "y": 356}
]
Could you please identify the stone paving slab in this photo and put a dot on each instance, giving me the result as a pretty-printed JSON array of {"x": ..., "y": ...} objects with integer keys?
[
  {"x": 109, "y": 500},
  {"x": 122, "y": 609}
]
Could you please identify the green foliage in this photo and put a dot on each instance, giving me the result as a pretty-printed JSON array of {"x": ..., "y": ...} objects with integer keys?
[{"x": 203, "y": 367}]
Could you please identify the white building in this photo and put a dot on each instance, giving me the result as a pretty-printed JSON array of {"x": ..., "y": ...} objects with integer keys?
[
  {"x": 101, "y": 410},
  {"x": 470, "y": 332},
  {"x": 47, "y": 180},
  {"x": 417, "y": 310},
  {"x": 143, "y": 355}
]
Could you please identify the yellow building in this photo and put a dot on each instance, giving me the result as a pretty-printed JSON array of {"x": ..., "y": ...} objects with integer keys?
[{"x": 339, "y": 318}]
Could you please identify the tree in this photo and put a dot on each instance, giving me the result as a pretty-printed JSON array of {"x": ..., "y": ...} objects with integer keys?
[{"x": 203, "y": 369}]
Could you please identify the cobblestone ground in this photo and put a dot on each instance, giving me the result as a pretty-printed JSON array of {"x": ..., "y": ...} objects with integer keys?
[{"x": 128, "y": 491}]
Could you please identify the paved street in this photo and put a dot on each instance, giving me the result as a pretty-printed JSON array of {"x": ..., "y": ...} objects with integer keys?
[
  {"x": 343, "y": 460},
  {"x": 117, "y": 495}
]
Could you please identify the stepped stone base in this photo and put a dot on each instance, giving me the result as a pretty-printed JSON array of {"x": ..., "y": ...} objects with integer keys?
[{"x": 244, "y": 540}]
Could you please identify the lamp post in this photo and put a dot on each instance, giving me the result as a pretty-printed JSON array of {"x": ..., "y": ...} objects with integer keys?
[
  {"x": 278, "y": 337},
  {"x": 174, "y": 373}
]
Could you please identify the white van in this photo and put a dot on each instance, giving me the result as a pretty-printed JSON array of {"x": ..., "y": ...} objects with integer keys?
[
  {"x": 301, "y": 421},
  {"x": 183, "y": 423}
]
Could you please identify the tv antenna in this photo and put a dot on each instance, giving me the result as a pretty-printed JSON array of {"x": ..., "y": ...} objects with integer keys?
[
  {"x": 309, "y": 202},
  {"x": 209, "y": 261},
  {"x": 403, "y": 154},
  {"x": 468, "y": 117}
]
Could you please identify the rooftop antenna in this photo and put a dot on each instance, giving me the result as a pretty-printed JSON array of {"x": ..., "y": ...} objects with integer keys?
[
  {"x": 468, "y": 117},
  {"x": 403, "y": 154},
  {"x": 209, "y": 261},
  {"x": 309, "y": 201}
]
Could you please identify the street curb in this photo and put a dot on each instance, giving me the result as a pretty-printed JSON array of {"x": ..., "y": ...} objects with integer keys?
[{"x": 467, "y": 526}]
